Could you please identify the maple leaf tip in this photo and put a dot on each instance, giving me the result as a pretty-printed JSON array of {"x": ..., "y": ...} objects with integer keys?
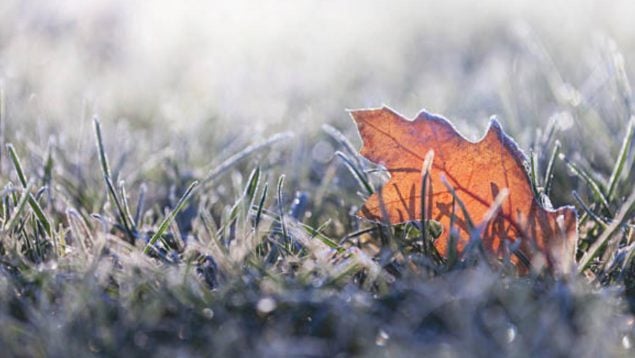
[
  {"x": 360, "y": 113},
  {"x": 382, "y": 108},
  {"x": 425, "y": 114},
  {"x": 495, "y": 130},
  {"x": 495, "y": 127}
]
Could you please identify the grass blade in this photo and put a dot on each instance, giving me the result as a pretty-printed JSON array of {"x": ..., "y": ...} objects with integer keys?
[
  {"x": 261, "y": 205},
  {"x": 549, "y": 172},
  {"x": 140, "y": 203},
  {"x": 281, "y": 208},
  {"x": 621, "y": 160},
  {"x": 17, "y": 165},
  {"x": 35, "y": 206},
  {"x": 588, "y": 210},
  {"x": 594, "y": 250},
  {"x": 252, "y": 186},
  {"x": 103, "y": 159},
  {"x": 592, "y": 183},
  {"x": 533, "y": 164},
  {"x": 125, "y": 205},
  {"x": 168, "y": 219},
  {"x": 425, "y": 176},
  {"x": 26, "y": 193},
  {"x": 340, "y": 138},
  {"x": 105, "y": 168},
  {"x": 466, "y": 214},
  {"x": 231, "y": 161},
  {"x": 362, "y": 179}
]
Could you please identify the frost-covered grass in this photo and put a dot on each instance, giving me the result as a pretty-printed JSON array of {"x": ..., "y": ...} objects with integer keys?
[{"x": 207, "y": 207}]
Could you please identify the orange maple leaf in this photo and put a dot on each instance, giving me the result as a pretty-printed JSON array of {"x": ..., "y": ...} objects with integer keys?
[{"x": 488, "y": 177}]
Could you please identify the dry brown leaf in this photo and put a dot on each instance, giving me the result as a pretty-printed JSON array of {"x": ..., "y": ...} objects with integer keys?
[{"x": 479, "y": 173}]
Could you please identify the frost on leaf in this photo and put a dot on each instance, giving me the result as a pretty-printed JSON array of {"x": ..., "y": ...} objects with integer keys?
[{"x": 488, "y": 177}]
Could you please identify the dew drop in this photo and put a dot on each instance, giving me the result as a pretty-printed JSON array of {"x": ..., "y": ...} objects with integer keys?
[
  {"x": 382, "y": 338},
  {"x": 626, "y": 342},
  {"x": 266, "y": 305},
  {"x": 208, "y": 313}
]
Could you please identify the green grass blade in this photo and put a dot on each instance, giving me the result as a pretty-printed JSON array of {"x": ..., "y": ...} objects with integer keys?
[
  {"x": 140, "y": 203},
  {"x": 621, "y": 160},
  {"x": 26, "y": 194},
  {"x": 252, "y": 186},
  {"x": 125, "y": 205},
  {"x": 103, "y": 159},
  {"x": 533, "y": 166},
  {"x": 425, "y": 182},
  {"x": 261, "y": 205},
  {"x": 17, "y": 165},
  {"x": 588, "y": 210},
  {"x": 361, "y": 178},
  {"x": 317, "y": 233},
  {"x": 120, "y": 210},
  {"x": 592, "y": 183},
  {"x": 35, "y": 206},
  {"x": 424, "y": 221},
  {"x": 357, "y": 233},
  {"x": 452, "y": 250},
  {"x": 79, "y": 229},
  {"x": 594, "y": 250},
  {"x": 340, "y": 138},
  {"x": 105, "y": 168},
  {"x": 281, "y": 207},
  {"x": 39, "y": 213},
  {"x": 548, "y": 179},
  {"x": 466, "y": 214},
  {"x": 234, "y": 159},
  {"x": 168, "y": 219},
  {"x": 6, "y": 205}
]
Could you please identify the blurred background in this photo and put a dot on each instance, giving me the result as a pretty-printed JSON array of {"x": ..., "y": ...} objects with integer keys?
[{"x": 216, "y": 76}]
